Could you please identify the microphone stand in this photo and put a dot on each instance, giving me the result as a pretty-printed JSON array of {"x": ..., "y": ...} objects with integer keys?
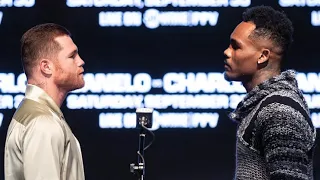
[
  {"x": 139, "y": 169},
  {"x": 143, "y": 122}
]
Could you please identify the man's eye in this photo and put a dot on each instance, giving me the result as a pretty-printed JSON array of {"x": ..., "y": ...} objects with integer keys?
[{"x": 234, "y": 46}]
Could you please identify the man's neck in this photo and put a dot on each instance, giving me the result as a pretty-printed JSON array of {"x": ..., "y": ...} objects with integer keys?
[
  {"x": 258, "y": 78},
  {"x": 52, "y": 90}
]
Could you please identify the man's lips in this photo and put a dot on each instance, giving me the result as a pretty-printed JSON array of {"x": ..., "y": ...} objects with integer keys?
[
  {"x": 226, "y": 65},
  {"x": 81, "y": 71}
]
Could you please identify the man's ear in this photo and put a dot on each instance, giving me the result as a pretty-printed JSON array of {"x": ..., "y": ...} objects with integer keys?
[
  {"x": 264, "y": 57},
  {"x": 46, "y": 66}
]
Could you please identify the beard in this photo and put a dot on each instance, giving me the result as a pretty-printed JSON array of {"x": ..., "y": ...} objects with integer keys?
[{"x": 68, "y": 81}]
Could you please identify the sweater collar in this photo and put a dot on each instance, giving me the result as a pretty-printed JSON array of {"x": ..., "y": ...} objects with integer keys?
[{"x": 285, "y": 81}]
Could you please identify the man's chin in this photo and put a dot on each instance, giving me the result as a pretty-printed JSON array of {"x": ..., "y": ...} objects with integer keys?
[
  {"x": 81, "y": 85},
  {"x": 229, "y": 77},
  {"x": 77, "y": 86}
]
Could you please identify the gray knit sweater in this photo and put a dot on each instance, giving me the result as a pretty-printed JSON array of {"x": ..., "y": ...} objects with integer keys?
[{"x": 275, "y": 136}]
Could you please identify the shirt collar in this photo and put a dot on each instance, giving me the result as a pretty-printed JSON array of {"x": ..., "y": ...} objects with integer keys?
[{"x": 39, "y": 95}]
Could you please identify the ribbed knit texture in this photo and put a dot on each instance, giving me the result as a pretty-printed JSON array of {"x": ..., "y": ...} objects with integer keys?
[{"x": 275, "y": 136}]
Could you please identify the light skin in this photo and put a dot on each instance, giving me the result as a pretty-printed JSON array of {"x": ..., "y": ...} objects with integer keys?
[
  {"x": 250, "y": 60},
  {"x": 61, "y": 73}
]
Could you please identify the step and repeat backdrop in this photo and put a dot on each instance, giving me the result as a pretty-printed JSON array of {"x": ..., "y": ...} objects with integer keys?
[{"x": 161, "y": 54}]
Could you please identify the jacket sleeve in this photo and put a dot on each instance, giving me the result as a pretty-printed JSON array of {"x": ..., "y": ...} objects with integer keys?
[
  {"x": 43, "y": 148},
  {"x": 287, "y": 139}
]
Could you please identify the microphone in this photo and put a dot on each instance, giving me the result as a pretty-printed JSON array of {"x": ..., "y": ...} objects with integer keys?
[
  {"x": 143, "y": 122},
  {"x": 144, "y": 117}
]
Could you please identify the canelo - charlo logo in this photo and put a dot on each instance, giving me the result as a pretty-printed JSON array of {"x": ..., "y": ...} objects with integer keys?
[{"x": 180, "y": 99}]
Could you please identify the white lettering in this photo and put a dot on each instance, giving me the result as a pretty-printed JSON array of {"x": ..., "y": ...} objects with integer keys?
[
  {"x": 17, "y": 3},
  {"x": 200, "y": 3},
  {"x": 299, "y": 3},
  {"x": 153, "y": 3},
  {"x": 6, "y": 3},
  {"x": 313, "y": 3},
  {"x": 110, "y": 120},
  {"x": 157, "y": 83},
  {"x": 132, "y": 18},
  {"x": 105, "y": 3},
  {"x": 142, "y": 82},
  {"x": 17, "y": 100},
  {"x": 21, "y": 83},
  {"x": 315, "y": 117},
  {"x": 160, "y": 120},
  {"x": 110, "y": 19},
  {"x": 187, "y": 101},
  {"x": 1, "y": 16},
  {"x": 197, "y": 3},
  {"x": 7, "y": 83},
  {"x": 290, "y": 3},
  {"x": 92, "y": 101},
  {"x": 153, "y": 18},
  {"x": 205, "y": 119},
  {"x": 129, "y": 120},
  {"x": 79, "y": 3},
  {"x": 24, "y": 3},
  {"x": 172, "y": 83},
  {"x": 116, "y": 83},
  {"x": 195, "y": 83},
  {"x": 313, "y": 101},
  {"x": 184, "y": 120},
  {"x": 174, "y": 18},
  {"x": 315, "y": 18},
  {"x": 6, "y": 102},
  {"x": 240, "y": 3},
  {"x": 309, "y": 82},
  {"x": 170, "y": 120},
  {"x": 1, "y": 119},
  {"x": 235, "y": 99},
  {"x": 204, "y": 18}
]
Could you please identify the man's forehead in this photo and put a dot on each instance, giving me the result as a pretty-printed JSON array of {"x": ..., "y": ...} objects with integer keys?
[
  {"x": 65, "y": 42},
  {"x": 243, "y": 30}
]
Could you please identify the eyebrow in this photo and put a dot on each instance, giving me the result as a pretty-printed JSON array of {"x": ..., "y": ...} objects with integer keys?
[
  {"x": 234, "y": 41},
  {"x": 73, "y": 53}
]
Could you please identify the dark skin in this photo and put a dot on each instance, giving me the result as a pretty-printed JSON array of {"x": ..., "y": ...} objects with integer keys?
[{"x": 249, "y": 59}]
